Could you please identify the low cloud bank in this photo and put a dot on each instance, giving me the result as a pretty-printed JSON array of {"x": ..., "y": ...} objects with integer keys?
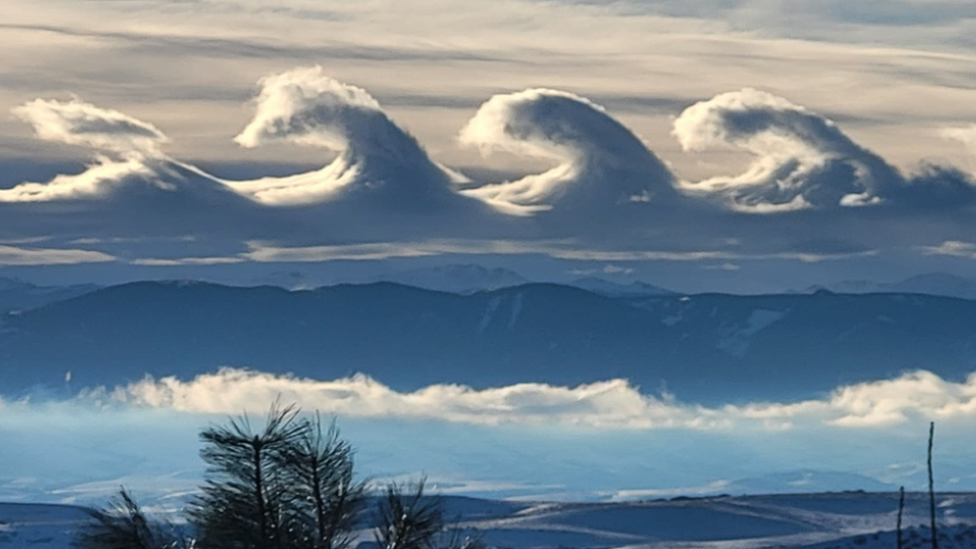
[{"x": 614, "y": 404}]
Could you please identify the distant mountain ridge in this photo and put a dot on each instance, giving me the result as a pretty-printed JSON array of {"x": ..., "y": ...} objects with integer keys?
[
  {"x": 710, "y": 347},
  {"x": 941, "y": 284},
  {"x": 458, "y": 279},
  {"x": 17, "y": 294}
]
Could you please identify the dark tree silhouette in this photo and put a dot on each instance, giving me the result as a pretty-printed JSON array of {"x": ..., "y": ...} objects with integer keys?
[
  {"x": 124, "y": 525},
  {"x": 935, "y": 535},
  {"x": 901, "y": 512},
  {"x": 246, "y": 502},
  {"x": 320, "y": 469},
  {"x": 407, "y": 519}
]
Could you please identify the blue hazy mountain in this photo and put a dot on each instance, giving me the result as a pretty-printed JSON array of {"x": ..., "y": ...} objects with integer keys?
[
  {"x": 608, "y": 288},
  {"x": 459, "y": 279},
  {"x": 709, "y": 347},
  {"x": 943, "y": 284},
  {"x": 18, "y": 295}
]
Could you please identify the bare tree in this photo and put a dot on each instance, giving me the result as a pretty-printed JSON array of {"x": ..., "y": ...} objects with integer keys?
[
  {"x": 901, "y": 512},
  {"x": 407, "y": 519},
  {"x": 935, "y": 535}
]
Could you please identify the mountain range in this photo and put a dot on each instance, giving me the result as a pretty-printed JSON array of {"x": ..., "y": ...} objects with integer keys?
[
  {"x": 706, "y": 348},
  {"x": 930, "y": 283},
  {"x": 16, "y": 294}
]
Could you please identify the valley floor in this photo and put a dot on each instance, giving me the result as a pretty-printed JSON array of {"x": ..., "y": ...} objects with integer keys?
[{"x": 854, "y": 520}]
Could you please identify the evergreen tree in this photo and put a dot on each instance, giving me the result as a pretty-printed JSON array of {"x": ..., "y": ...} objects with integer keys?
[
  {"x": 408, "y": 520},
  {"x": 247, "y": 502},
  {"x": 320, "y": 467},
  {"x": 124, "y": 525}
]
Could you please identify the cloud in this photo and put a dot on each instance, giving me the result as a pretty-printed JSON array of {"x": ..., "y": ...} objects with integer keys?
[
  {"x": 17, "y": 256},
  {"x": 609, "y": 404},
  {"x": 78, "y": 123},
  {"x": 99, "y": 179},
  {"x": 378, "y": 161},
  {"x": 569, "y": 249},
  {"x": 963, "y": 134},
  {"x": 127, "y": 159},
  {"x": 600, "y": 162},
  {"x": 802, "y": 160},
  {"x": 185, "y": 261},
  {"x": 952, "y": 248}
]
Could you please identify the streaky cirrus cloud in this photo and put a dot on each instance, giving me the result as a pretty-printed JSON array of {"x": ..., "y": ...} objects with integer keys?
[
  {"x": 378, "y": 161},
  {"x": 802, "y": 160},
  {"x": 20, "y": 256},
  {"x": 600, "y": 162},
  {"x": 607, "y": 404}
]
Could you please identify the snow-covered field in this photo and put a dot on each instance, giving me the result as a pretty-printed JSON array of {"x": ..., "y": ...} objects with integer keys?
[{"x": 820, "y": 521}]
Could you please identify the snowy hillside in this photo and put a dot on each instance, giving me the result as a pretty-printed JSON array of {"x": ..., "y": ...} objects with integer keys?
[{"x": 819, "y": 521}]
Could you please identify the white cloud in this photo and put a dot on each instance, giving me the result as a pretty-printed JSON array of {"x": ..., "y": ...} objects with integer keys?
[
  {"x": 600, "y": 162},
  {"x": 78, "y": 123},
  {"x": 12, "y": 255},
  {"x": 952, "y": 248},
  {"x": 185, "y": 261},
  {"x": 963, "y": 134},
  {"x": 560, "y": 249},
  {"x": 97, "y": 181},
  {"x": 609, "y": 404},
  {"x": 377, "y": 157},
  {"x": 801, "y": 160}
]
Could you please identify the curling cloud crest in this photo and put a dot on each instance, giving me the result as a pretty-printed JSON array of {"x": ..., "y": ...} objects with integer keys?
[
  {"x": 610, "y": 404},
  {"x": 126, "y": 155},
  {"x": 803, "y": 160},
  {"x": 600, "y": 162},
  {"x": 78, "y": 123},
  {"x": 377, "y": 157}
]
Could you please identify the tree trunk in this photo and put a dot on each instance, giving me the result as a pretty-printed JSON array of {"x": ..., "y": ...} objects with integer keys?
[
  {"x": 935, "y": 534},
  {"x": 901, "y": 512}
]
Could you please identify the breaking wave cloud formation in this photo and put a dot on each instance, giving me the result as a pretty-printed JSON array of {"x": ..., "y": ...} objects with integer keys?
[
  {"x": 801, "y": 159},
  {"x": 600, "y": 162},
  {"x": 605, "y": 189},
  {"x": 614, "y": 404}
]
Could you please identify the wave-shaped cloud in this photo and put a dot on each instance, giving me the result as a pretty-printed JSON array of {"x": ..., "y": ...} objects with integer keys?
[
  {"x": 609, "y": 404},
  {"x": 378, "y": 161},
  {"x": 802, "y": 160},
  {"x": 127, "y": 158},
  {"x": 78, "y": 123},
  {"x": 600, "y": 162}
]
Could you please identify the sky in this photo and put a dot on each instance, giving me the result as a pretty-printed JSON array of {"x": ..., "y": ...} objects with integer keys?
[
  {"x": 702, "y": 145},
  {"x": 744, "y": 146}
]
